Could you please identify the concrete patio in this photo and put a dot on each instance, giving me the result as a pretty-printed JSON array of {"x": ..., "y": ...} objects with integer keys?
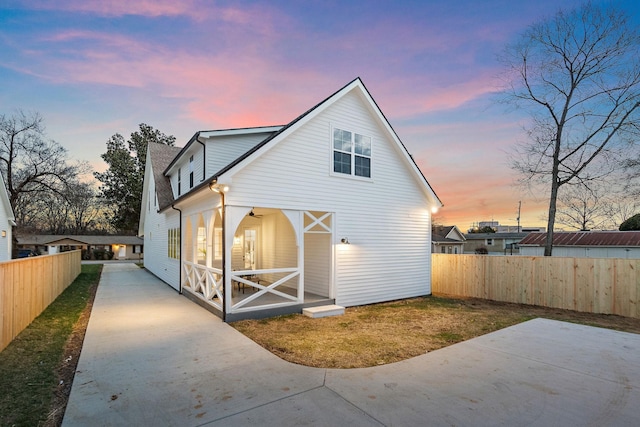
[{"x": 153, "y": 358}]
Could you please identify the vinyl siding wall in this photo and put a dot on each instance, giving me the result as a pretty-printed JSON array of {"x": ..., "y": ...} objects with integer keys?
[
  {"x": 223, "y": 150},
  {"x": 386, "y": 218},
  {"x": 5, "y": 242},
  {"x": 156, "y": 225},
  {"x": 183, "y": 164},
  {"x": 317, "y": 263}
]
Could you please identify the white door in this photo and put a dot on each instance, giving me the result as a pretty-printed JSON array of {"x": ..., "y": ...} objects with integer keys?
[
  {"x": 249, "y": 255},
  {"x": 122, "y": 252}
]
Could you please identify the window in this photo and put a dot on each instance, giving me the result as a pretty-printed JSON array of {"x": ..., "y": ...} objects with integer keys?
[
  {"x": 217, "y": 251},
  {"x": 351, "y": 153},
  {"x": 137, "y": 249},
  {"x": 202, "y": 244},
  {"x": 179, "y": 181},
  {"x": 173, "y": 243},
  {"x": 191, "y": 172},
  {"x": 489, "y": 242}
]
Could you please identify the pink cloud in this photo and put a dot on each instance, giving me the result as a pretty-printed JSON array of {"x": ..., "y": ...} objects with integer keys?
[
  {"x": 152, "y": 8},
  {"x": 197, "y": 10}
]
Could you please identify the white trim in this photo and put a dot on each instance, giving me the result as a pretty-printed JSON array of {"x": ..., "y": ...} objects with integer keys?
[{"x": 245, "y": 131}]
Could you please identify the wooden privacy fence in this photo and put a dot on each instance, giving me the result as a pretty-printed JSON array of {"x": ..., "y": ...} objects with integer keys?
[
  {"x": 29, "y": 285},
  {"x": 594, "y": 285}
]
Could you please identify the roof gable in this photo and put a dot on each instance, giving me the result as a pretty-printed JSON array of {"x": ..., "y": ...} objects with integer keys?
[
  {"x": 200, "y": 135},
  {"x": 443, "y": 233},
  {"x": 226, "y": 173}
]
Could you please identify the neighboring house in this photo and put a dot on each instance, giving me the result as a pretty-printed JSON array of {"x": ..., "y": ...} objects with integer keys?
[
  {"x": 447, "y": 240},
  {"x": 7, "y": 221},
  {"x": 260, "y": 221},
  {"x": 495, "y": 243},
  {"x": 585, "y": 244},
  {"x": 122, "y": 247}
]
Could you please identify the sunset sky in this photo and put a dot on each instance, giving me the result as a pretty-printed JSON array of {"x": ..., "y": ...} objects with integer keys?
[{"x": 96, "y": 68}]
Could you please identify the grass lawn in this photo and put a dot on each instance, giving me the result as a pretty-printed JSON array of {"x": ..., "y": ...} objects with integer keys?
[
  {"x": 34, "y": 364},
  {"x": 389, "y": 332}
]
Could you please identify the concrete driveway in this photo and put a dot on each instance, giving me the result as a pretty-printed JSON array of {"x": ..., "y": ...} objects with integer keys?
[{"x": 153, "y": 358}]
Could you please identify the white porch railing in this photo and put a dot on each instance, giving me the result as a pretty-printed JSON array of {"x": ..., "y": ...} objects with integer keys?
[
  {"x": 204, "y": 282},
  {"x": 240, "y": 276}
]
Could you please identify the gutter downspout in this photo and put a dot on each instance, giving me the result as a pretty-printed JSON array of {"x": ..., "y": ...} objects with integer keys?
[
  {"x": 204, "y": 157},
  {"x": 180, "y": 270},
  {"x": 223, "y": 214}
]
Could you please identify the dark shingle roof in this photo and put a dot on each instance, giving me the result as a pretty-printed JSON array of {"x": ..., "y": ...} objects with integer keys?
[
  {"x": 161, "y": 156},
  {"x": 586, "y": 238}
]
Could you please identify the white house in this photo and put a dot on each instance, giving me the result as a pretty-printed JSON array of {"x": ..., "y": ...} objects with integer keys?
[
  {"x": 261, "y": 221},
  {"x": 7, "y": 221},
  {"x": 585, "y": 244},
  {"x": 447, "y": 239}
]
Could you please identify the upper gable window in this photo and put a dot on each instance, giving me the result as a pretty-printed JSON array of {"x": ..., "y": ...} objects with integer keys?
[
  {"x": 351, "y": 153},
  {"x": 179, "y": 181},
  {"x": 191, "y": 172}
]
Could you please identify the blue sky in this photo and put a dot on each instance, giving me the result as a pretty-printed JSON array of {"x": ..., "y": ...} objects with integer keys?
[{"x": 96, "y": 68}]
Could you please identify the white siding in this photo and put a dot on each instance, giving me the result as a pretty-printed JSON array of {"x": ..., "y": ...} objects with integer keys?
[
  {"x": 317, "y": 266},
  {"x": 5, "y": 242},
  {"x": 225, "y": 149},
  {"x": 386, "y": 219},
  {"x": 156, "y": 258},
  {"x": 197, "y": 152},
  {"x": 5, "y": 225}
]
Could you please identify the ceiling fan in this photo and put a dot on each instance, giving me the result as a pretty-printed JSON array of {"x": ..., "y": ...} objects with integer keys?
[{"x": 254, "y": 215}]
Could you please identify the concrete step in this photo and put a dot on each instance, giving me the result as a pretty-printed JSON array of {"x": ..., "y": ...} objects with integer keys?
[{"x": 323, "y": 311}]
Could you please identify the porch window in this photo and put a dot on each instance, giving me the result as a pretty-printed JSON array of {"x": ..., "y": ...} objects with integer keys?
[
  {"x": 217, "y": 249},
  {"x": 179, "y": 181},
  {"x": 351, "y": 153},
  {"x": 202, "y": 244},
  {"x": 173, "y": 243}
]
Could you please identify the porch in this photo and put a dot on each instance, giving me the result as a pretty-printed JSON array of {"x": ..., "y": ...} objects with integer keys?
[{"x": 274, "y": 261}]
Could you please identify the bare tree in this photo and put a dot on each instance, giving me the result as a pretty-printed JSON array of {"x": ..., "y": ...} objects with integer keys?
[
  {"x": 581, "y": 207},
  {"x": 577, "y": 75},
  {"x": 75, "y": 210},
  {"x": 34, "y": 167}
]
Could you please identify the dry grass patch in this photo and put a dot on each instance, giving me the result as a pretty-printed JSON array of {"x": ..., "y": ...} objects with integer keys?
[{"x": 384, "y": 333}]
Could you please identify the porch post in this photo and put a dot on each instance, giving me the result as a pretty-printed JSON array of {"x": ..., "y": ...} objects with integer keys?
[
  {"x": 225, "y": 287},
  {"x": 296, "y": 218}
]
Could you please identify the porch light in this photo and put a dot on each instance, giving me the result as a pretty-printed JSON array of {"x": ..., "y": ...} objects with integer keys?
[
  {"x": 345, "y": 241},
  {"x": 4, "y": 233},
  {"x": 434, "y": 210}
]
